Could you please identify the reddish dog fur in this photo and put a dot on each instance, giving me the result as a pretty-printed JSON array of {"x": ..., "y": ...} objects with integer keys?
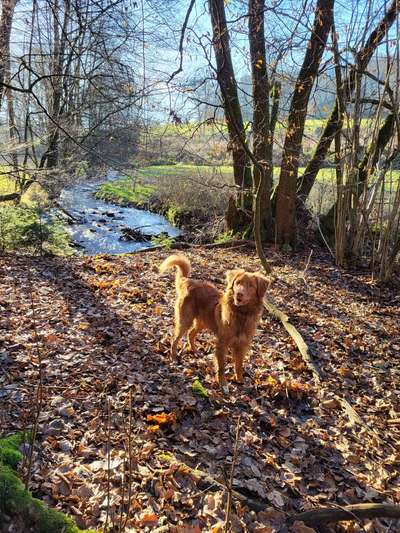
[{"x": 232, "y": 315}]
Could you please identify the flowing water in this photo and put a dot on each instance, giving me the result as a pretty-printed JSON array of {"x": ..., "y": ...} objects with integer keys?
[{"x": 100, "y": 225}]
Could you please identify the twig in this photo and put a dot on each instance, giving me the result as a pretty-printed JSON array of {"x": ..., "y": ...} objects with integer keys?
[
  {"x": 108, "y": 462},
  {"x": 355, "y": 418},
  {"x": 303, "y": 274},
  {"x": 185, "y": 23},
  {"x": 186, "y": 246},
  {"x": 350, "y": 512},
  {"x": 128, "y": 506},
  {"x": 39, "y": 392},
  {"x": 211, "y": 482},
  {"x": 230, "y": 485}
]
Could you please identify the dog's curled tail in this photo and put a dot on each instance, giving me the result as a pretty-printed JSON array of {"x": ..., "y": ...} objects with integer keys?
[{"x": 181, "y": 263}]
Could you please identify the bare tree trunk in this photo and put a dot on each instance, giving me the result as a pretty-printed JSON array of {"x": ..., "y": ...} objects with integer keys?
[
  {"x": 7, "y": 12},
  {"x": 341, "y": 195},
  {"x": 12, "y": 128},
  {"x": 262, "y": 172},
  {"x": 286, "y": 197},
  {"x": 13, "y": 131},
  {"x": 334, "y": 122},
  {"x": 51, "y": 156},
  {"x": 228, "y": 87}
]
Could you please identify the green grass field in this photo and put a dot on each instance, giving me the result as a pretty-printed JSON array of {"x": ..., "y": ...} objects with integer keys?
[
  {"x": 182, "y": 170},
  {"x": 124, "y": 192},
  {"x": 145, "y": 181},
  {"x": 313, "y": 127},
  {"x": 190, "y": 188},
  {"x": 150, "y": 173}
]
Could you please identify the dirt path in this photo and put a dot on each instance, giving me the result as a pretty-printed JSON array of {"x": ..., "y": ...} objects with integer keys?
[{"x": 103, "y": 325}]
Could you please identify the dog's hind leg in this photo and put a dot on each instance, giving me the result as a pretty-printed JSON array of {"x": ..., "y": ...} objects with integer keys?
[
  {"x": 183, "y": 321},
  {"x": 192, "y": 335}
]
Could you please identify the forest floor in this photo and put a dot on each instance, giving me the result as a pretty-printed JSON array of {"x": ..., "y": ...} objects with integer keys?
[{"x": 99, "y": 327}]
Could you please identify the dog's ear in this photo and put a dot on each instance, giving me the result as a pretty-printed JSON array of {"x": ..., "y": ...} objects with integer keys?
[
  {"x": 231, "y": 275},
  {"x": 262, "y": 285}
]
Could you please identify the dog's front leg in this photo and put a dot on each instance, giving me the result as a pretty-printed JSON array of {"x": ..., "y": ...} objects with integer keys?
[
  {"x": 238, "y": 359},
  {"x": 220, "y": 354},
  {"x": 239, "y": 351}
]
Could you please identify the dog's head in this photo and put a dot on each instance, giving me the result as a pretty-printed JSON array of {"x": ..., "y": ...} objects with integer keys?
[{"x": 247, "y": 288}]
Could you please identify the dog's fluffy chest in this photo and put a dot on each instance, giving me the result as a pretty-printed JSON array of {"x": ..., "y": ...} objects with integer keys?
[{"x": 238, "y": 323}]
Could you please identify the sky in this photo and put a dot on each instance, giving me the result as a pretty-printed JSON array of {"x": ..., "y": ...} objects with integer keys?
[{"x": 281, "y": 24}]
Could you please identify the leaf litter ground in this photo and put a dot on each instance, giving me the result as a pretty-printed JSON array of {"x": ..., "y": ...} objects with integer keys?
[{"x": 123, "y": 430}]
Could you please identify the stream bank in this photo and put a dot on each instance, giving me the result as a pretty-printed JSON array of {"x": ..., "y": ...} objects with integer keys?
[{"x": 101, "y": 227}]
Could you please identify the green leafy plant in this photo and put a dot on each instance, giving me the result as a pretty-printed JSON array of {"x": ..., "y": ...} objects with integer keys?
[
  {"x": 163, "y": 240},
  {"x": 199, "y": 389},
  {"x": 175, "y": 214},
  {"x": 226, "y": 236},
  {"x": 27, "y": 228}
]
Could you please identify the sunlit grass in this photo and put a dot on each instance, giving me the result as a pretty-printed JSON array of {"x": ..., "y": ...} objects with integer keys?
[
  {"x": 34, "y": 196},
  {"x": 7, "y": 185},
  {"x": 182, "y": 170},
  {"x": 124, "y": 192},
  {"x": 313, "y": 127}
]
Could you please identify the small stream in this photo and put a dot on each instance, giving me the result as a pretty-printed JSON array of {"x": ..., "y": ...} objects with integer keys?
[{"x": 100, "y": 225}]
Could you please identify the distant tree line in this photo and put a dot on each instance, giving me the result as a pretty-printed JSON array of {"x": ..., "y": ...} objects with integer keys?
[{"x": 68, "y": 89}]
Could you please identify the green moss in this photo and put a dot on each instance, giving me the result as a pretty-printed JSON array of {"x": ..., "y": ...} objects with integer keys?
[
  {"x": 9, "y": 449},
  {"x": 17, "y": 502}
]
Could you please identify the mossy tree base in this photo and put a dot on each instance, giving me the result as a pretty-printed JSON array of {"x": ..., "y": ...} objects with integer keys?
[{"x": 19, "y": 510}]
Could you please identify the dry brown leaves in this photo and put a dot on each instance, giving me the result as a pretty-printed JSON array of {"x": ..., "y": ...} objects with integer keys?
[{"x": 120, "y": 421}]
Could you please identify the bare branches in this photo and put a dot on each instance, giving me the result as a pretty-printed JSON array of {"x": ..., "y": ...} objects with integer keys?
[
  {"x": 183, "y": 30},
  {"x": 363, "y": 57}
]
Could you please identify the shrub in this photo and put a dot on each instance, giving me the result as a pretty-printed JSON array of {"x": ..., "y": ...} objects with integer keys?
[{"x": 26, "y": 228}]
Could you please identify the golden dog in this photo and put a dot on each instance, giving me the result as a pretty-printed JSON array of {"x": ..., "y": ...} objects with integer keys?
[{"x": 231, "y": 315}]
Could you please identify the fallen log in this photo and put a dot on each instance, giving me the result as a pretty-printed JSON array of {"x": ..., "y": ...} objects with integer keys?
[
  {"x": 360, "y": 511},
  {"x": 187, "y": 246},
  {"x": 10, "y": 196},
  {"x": 69, "y": 216},
  {"x": 296, "y": 336}
]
